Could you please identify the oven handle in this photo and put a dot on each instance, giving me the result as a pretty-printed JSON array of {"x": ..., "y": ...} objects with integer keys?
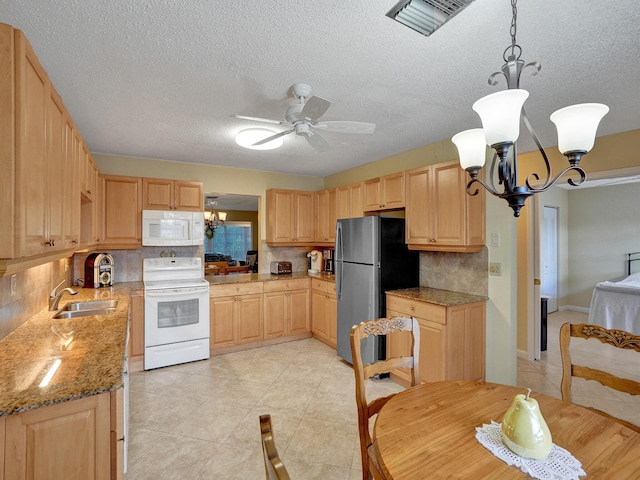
[{"x": 175, "y": 293}]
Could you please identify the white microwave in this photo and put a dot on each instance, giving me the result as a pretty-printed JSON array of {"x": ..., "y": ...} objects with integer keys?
[{"x": 172, "y": 228}]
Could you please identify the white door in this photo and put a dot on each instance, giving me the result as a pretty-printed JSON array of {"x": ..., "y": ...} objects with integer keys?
[{"x": 549, "y": 257}]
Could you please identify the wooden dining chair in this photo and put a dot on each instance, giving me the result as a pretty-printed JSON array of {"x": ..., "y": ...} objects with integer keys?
[
  {"x": 382, "y": 326},
  {"x": 611, "y": 337},
  {"x": 273, "y": 466}
]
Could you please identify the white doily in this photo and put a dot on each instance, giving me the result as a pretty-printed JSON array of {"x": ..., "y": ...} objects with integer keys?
[{"x": 559, "y": 464}]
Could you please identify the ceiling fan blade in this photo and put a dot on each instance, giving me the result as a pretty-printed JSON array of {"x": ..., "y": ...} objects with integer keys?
[
  {"x": 345, "y": 126},
  {"x": 318, "y": 142},
  {"x": 272, "y": 137},
  {"x": 314, "y": 108},
  {"x": 258, "y": 119}
]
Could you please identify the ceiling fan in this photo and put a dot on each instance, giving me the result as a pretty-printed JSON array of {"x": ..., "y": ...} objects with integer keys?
[{"x": 302, "y": 118}]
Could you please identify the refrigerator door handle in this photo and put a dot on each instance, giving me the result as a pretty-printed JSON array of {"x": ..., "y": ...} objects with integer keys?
[{"x": 338, "y": 260}]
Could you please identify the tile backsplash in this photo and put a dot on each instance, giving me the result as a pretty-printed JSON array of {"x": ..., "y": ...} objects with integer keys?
[
  {"x": 458, "y": 272},
  {"x": 461, "y": 272}
]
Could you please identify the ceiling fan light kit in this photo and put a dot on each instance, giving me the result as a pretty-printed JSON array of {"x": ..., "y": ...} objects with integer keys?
[
  {"x": 500, "y": 114},
  {"x": 252, "y": 138},
  {"x": 302, "y": 118}
]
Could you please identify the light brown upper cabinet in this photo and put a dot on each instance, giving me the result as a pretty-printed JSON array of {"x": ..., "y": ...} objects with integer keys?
[
  {"x": 290, "y": 219},
  {"x": 440, "y": 215},
  {"x": 122, "y": 211},
  {"x": 163, "y": 194},
  {"x": 349, "y": 200},
  {"x": 384, "y": 193},
  {"x": 325, "y": 216},
  {"x": 40, "y": 186}
]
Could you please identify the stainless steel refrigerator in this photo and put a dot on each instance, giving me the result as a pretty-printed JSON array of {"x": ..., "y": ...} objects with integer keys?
[{"x": 370, "y": 258}]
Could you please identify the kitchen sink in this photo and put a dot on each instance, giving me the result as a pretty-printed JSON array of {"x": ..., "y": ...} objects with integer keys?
[{"x": 85, "y": 309}]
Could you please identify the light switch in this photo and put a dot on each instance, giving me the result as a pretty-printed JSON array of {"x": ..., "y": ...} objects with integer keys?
[{"x": 495, "y": 239}]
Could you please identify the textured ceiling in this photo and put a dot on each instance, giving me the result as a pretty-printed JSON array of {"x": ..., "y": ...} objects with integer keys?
[{"x": 162, "y": 79}]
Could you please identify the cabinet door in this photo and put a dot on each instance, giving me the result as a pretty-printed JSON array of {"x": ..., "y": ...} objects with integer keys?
[
  {"x": 223, "y": 325},
  {"x": 343, "y": 202},
  {"x": 275, "y": 311},
  {"x": 418, "y": 212},
  {"x": 279, "y": 216},
  {"x": 122, "y": 212},
  {"x": 303, "y": 224},
  {"x": 393, "y": 191},
  {"x": 299, "y": 314},
  {"x": 31, "y": 186},
  {"x": 372, "y": 196},
  {"x": 136, "y": 327},
  {"x": 249, "y": 318},
  {"x": 63, "y": 441},
  {"x": 356, "y": 193},
  {"x": 319, "y": 309},
  {"x": 189, "y": 196},
  {"x": 157, "y": 194},
  {"x": 57, "y": 171},
  {"x": 448, "y": 203},
  {"x": 72, "y": 190},
  {"x": 321, "y": 215},
  {"x": 332, "y": 318}
]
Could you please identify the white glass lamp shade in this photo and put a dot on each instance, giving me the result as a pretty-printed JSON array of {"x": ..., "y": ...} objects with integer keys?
[
  {"x": 222, "y": 216},
  {"x": 500, "y": 115},
  {"x": 472, "y": 148},
  {"x": 247, "y": 138},
  {"x": 577, "y": 126}
]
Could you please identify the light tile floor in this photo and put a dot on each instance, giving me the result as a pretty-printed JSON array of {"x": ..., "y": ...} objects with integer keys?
[{"x": 200, "y": 420}]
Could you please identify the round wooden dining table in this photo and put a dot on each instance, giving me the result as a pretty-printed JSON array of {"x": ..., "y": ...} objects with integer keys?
[{"x": 428, "y": 432}]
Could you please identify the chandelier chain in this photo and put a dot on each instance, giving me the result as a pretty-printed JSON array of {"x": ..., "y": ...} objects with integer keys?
[{"x": 512, "y": 31}]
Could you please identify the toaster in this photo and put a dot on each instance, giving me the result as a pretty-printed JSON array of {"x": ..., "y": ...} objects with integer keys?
[{"x": 278, "y": 268}]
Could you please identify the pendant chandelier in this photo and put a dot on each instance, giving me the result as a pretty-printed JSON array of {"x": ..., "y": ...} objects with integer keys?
[
  {"x": 500, "y": 114},
  {"x": 213, "y": 220}
]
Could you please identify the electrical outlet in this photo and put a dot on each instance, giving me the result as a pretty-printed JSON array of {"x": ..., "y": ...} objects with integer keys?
[
  {"x": 495, "y": 269},
  {"x": 66, "y": 264},
  {"x": 14, "y": 281}
]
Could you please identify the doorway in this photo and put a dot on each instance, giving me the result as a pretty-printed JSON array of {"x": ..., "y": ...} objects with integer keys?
[{"x": 549, "y": 257}]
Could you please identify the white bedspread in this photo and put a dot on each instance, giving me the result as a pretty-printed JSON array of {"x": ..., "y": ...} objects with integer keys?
[{"x": 617, "y": 304}]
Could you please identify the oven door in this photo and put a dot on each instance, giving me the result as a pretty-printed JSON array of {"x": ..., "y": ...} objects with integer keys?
[{"x": 174, "y": 315}]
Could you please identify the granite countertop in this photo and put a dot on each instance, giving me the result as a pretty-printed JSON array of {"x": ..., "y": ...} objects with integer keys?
[
  {"x": 92, "y": 362},
  {"x": 263, "y": 277},
  {"x": 445, "y": 298}
]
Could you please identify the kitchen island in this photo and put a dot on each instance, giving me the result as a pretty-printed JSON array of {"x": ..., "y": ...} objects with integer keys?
[{"x": 83, "y": 402}]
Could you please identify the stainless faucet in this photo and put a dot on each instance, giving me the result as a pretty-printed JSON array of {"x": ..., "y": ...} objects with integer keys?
[{"x": 54, "y": 297}]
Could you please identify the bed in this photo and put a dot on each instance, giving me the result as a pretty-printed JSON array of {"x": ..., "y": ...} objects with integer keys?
[{"x": 617, "y": 304}]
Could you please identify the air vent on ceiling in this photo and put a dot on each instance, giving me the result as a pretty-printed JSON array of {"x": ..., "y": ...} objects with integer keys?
[{"x": 426, "y": 16}]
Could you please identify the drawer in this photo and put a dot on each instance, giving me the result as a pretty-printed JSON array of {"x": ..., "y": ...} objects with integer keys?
[
  {"x": 286, "y": 285},
  {"x": 236, "y": 289},
  {"x": 321, "y": 285},
  {"x": 331, "y": 287},
  {"x": 414, "y": 308}
]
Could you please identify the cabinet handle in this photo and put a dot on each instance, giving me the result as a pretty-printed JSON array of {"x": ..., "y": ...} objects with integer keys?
[
  {"x": 412, "y": 308},
  {"x": 74, "y": 241},
  {"x": 50, "y": 243}
]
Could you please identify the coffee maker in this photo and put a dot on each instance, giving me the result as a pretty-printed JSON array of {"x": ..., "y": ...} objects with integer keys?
[
  {"x": 315, "y": 261},
  {"x": 328, "y": 266}
]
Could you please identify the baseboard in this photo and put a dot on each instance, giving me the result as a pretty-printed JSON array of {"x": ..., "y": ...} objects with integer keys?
[{"x": 574, "y": 308}]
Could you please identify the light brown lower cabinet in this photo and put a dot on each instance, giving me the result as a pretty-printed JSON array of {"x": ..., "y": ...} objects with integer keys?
[
  {"x": 324, "y": 308},
  {"x": 136, "y": 331},
  {"x": 286, "y": 308},
  {"x": 81, "y": 438},
  {"x": 452, "y": 339},
  {"x": 236, "y": 314}
]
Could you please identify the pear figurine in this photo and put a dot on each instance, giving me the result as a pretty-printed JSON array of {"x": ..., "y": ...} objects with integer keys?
[{"x": 524, "y": 430}]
